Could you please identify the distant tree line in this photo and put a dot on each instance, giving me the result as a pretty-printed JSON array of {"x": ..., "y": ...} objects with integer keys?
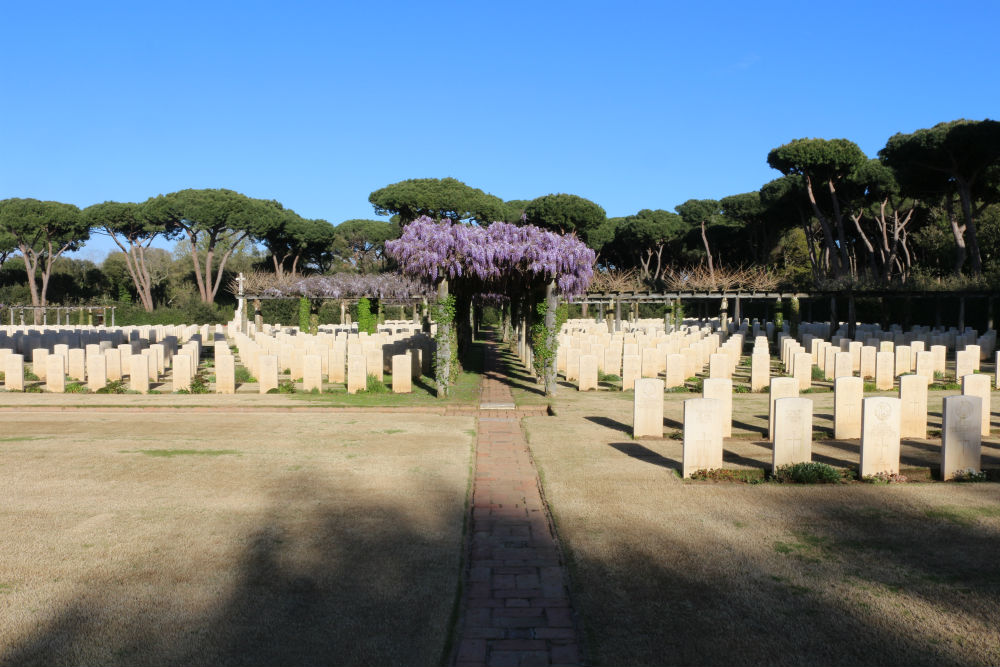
[{"x": 926, "y": 208}]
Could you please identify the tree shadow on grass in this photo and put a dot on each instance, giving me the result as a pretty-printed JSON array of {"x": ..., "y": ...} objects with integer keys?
[
  {"x": 637, "y": 451},
  {"x": 321, "y": 583},
  {"x": 662, "y": 597},
  {"x": 613, "y": 424}
]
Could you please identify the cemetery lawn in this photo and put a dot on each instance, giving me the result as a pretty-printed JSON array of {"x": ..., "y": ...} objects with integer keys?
[
  {"x": 671, "y": 572},
  {"x": 228, "y": 539}
]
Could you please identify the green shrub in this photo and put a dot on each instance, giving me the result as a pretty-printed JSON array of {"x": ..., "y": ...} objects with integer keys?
[
  {"x": 76, "y": 388},
  {"x": 970, "y": 475},
  {"x": 808, "y": 473},
  {"x": 375, "y": 386},
  {"x": 752, "y": 476},
  {"x": 366, "y": 320},
  {"x": 881, "y": 478},
  {"x": 242, "y": 375},
  {"x": 199, "y": 384},
  {"x": 30, "y": 376},
  {"x": 113, "y": 387}
]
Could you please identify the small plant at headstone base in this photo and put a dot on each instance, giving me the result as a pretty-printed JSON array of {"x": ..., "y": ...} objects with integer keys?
[
  {"x": 868, "y": 387},
  {"x": 199, "y": 384},
  {"x": 741, "y": 389},
  {"x": 970, "y": 475},
  {"x": 607, "y": 377},
  {"x": 113, "y": 387},
  {"x": 242, "y": 375},
  {"x": 365, "y": 319},
  {"x": 683, "y": 389},
  {"x": 303, "y": 314},
  {"x": 33, "y": 389},
  {"x": 882, "y": 478},
  {"x": 76, "y": 388},
  {"x": 375, "y": 386},
  {"x": 751, "y": 476},
  {"x": 545, "y": 343},
  {"x": 945, "y": 386},
  {"x": 676, "y": 435},
  {"x": 696, "y": 384},
  {"x": 284, "y": 387},
  {"x": 31, "y": 377},
  {"x": 808, "y": 473},
  {"x": 818, "y": 373}
]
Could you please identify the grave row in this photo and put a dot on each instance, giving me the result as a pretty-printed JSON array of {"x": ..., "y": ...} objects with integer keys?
[{"x": 879, "y": 422}]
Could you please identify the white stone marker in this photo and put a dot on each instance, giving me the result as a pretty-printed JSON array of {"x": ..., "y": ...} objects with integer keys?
[
  {"x": 940, "y": 353},
  {"x": 650, "y": 362},
  {"x": 312, "y": 372},
  {"x": 702, "y": 435},
  {"x": 402, "y": 374},
  {"x": 848, "y": 393},
  {"x": 792, "y": 431},
  {"x": 77, "y": 365},
  {"x": 978, "y": 384},
  {"x": 39, "y": 362},
  {"x": 722, "y": 390},
  {"x": 842, "y": 365},
  {"x": 913, "y": 406},
  {"x": 588, "y": 373},
  {"x": 374, "y": 363},
  {"x": 904, "y": 362},
  {"x": 879, "y": 436},
  {"x": 780, "y": 388},
  {"x": 97, "y": 371},
  {"x": 647, "y": 408},
  {"x": 925, "y": 365},
  {"x": 225, "y": 374},
  {"x": 357, "y": 373},
  {"x": 676, "y": 366},
  {"x": 338, "y": 363},
  {"x": 113, "y": 362},
  {"x": 14, "y": 373},
  {"x": 267, "y": 378},
  {"x": 760, "y": 371},
  {"x": 55, "y": 376},
  {"x": 139, "y": 374},
  {"x": 963, "y": 364},
  {"x": 976, "y": 352},
  {"x": 830, "y": 362},
  {"x": 868, "y": 354},
  {"x": 961, "y": 440},
  {"x": 884, "y": 371},
  {"x": 719, "y": 365},
  {"x": 630, "y": 371},
  {"x": 182, "y": 372},
  {"x": 572, "y": 364},
  {"x": 802, "y": 367}
]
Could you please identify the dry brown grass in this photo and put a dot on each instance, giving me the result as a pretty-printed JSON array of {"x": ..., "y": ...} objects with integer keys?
[
  {"x": 673, "y": 572},
  {"x": 321, "y": 539}
]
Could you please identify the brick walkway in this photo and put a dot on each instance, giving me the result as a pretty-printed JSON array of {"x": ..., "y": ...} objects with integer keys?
[{"x": 516, "y": 608}]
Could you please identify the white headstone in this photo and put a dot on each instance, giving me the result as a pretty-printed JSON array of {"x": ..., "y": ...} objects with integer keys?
[
  {"x": 961, "y": 439},
  {"x": 792, "y": 431},
  {"x": 702, "y": 436},
  {"x": 880, "y": 436},
  {"x": 647, "y": 408}
]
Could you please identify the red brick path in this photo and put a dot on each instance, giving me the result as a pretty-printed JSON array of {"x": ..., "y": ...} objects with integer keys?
[{"x": 516, "y": 608}]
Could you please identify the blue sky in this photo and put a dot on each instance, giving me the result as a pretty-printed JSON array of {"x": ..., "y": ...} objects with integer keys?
[{"x": 631, "y": 104}]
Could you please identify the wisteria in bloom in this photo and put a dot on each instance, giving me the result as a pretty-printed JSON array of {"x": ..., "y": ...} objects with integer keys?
[
  {"x": 500, "y": 255},
  {"x": 387, "y": 286}
]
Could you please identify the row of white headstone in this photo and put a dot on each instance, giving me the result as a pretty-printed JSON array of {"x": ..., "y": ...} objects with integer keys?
[{"x": 879, "y": 421}]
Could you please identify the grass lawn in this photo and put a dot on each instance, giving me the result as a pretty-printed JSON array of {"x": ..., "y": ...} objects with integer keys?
[
  {"x": 671, "y": 572},
  {"x": 229, "y": 539}
]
